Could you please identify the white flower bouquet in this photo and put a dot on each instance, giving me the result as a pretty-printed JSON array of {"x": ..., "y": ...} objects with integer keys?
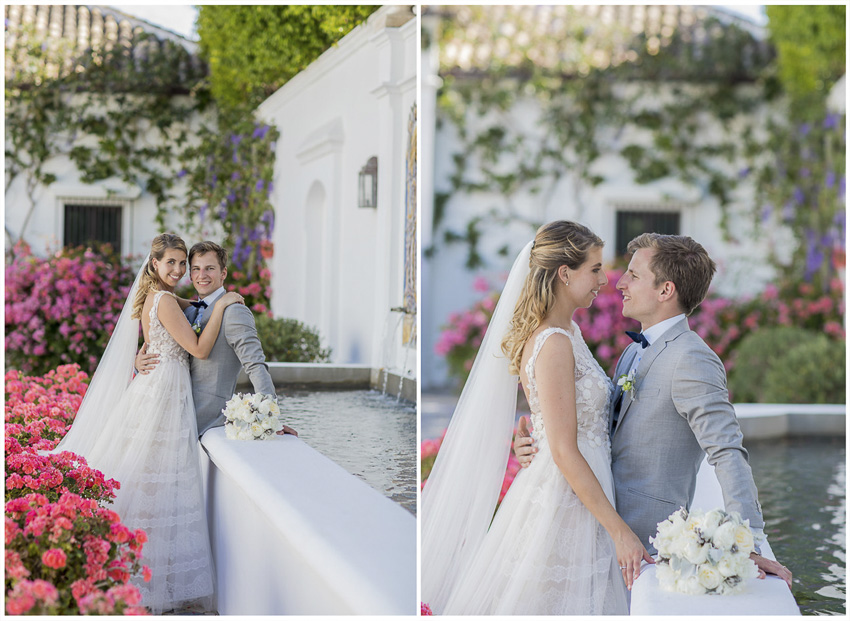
[
  {"x": 704, "y": 552},
  {"x": 251, "y": 417}
]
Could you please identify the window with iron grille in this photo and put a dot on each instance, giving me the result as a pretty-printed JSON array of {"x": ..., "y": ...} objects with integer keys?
[
  {"x": 85, "y": 224},
  {"x": 630, "y": 224}
]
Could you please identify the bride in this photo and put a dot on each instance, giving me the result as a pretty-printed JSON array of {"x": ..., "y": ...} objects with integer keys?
[
  {"x": 143, "y": 433},
  {"x": 556, "y": 544}
]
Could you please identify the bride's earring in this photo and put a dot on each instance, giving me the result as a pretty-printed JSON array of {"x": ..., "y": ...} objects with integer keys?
[{"x": 567, "y": 283}]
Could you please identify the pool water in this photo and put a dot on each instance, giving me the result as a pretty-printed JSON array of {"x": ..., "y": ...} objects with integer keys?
[
  {"x": 371, "y": 435},
  {"x": 802, "y": 489}
]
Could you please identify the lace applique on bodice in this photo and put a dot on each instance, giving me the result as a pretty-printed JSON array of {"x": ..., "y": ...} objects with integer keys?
[
  {"x": 160, "y": 341},
  {"x": 593, "y": 391}
]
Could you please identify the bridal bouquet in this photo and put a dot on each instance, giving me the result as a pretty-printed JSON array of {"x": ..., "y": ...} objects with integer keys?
[
  {"x": 704, "y": 552},
  {"x": 251, "y": 417}
]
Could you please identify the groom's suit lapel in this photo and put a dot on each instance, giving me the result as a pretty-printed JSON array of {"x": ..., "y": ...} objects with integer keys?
[{"x": 649, "y": 355}]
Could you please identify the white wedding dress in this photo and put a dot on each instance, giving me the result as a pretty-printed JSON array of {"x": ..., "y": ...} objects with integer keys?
[
  {"x": 151, "y": 448},
  {"x": 545, "y": 553}
]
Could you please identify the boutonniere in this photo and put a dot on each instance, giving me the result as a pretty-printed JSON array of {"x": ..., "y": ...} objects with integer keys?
[
  {"x": 627, "y": 382},
  {"x": 197, "y": 328}
]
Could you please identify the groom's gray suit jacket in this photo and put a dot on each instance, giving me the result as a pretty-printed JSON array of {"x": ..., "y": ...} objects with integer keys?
[
  {"x": 678, "y": 411},
  {"x": 214, "y": 379}
]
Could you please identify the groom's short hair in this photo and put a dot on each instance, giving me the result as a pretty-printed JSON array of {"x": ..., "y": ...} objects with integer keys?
[
  {"x": 681, "y": 260},
  {"x": 208, "y": 246}
]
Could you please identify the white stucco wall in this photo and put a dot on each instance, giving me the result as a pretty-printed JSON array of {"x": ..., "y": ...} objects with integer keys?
[
  {"x": 45, "y": 228},
  {"x": 447, "y": 284},
  {"x": 337, "y": 266}
]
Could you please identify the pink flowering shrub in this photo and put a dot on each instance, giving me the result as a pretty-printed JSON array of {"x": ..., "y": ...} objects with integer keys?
[
  {"x": 65, "y": 552},
  {"x": 62, "y": 309},
  {"x": 721, "y": 322},
  {"x": 425, "y": 610},
  {"x": 428, "y": 455},
  {"x": 80, "y": 550},
  {"x": 53, "y": 475}
]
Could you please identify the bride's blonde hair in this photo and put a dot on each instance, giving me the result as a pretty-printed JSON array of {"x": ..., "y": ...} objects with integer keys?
[
  {"x": 149, "y": 280},
  {"x": 558, "y": 243}
]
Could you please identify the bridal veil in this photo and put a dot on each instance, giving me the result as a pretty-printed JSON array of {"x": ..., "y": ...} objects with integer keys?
[
  {"x": 111, "y": 378},
  {"x": 460, "y": 495}
]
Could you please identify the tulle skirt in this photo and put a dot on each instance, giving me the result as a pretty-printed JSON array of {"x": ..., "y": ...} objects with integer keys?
[
  {"x": 545, "y": 553},
  {"x": 151, "y": 448}
]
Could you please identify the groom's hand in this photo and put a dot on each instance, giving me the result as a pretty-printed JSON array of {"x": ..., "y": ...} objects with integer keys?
[
  {"x": 145, "y": 362},
  {"x": 774, "y": 568},
  {"x": 287, "y": 431},
  {"x": 523, "y": 449}
]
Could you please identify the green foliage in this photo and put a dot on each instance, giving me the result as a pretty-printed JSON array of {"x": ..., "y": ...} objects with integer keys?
[
  {"x": 592, "y": 84},
  {"x": 799, "y": 179},
  {"x": 810, "y": 44},
  {"x": 253, "y": 50},
  {"x": 112, "y": 115},
  {"x": 755, "y": 356},
  {"x": 289, "y": 340},
  {"x": 789, "y": 365},
  {"x": 813, "y": 371}
]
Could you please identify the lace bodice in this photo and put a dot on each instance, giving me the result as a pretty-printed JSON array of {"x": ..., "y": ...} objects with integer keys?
[
  {"x": 593, "y": 391},
  {"x": 160, "y": 341}
]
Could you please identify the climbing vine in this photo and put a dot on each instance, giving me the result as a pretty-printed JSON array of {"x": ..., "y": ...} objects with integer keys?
[
  {"x": 668, "y": 107},
  {"x": 111, "y": 114}
]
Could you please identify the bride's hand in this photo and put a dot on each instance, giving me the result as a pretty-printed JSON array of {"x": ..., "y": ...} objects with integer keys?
[
  {"x": 630, "y": 553},
  {"x": 231, "y": 297}
]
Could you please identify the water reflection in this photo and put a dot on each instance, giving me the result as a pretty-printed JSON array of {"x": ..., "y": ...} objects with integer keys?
[
  {"x": 371, "y": 435},
  {"x": 802, "y": 483}
]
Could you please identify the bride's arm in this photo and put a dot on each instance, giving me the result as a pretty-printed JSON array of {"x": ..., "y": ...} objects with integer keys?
[
  {"x": 555, "y": 373},
  {"x": 183, "y": 302},
  {"x": 175, "y": 322}
]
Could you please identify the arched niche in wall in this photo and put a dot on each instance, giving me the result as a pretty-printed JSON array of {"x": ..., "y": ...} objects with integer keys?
[{"x": 315, "y": 214}]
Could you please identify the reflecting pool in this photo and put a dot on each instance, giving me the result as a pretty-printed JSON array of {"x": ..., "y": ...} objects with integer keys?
[
  {"x": 802, "y": 489},
  {"x": 371, "y": 435}
]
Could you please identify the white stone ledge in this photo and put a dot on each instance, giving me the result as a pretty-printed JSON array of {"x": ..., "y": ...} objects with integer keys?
[
  {"x": 293, "y": 533},
  {"x": 776, "y": 420},
  {"x": 336, "y": 376},
  {"x": 331, "y": 375},
  {"x": 770, "y": 596}
]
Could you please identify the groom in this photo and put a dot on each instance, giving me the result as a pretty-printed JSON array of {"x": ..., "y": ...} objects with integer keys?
[
  {"x": 678, "y": 409},
  {"x": 237, "y": 345}
]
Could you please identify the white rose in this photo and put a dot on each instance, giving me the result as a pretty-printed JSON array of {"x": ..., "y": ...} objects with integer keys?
[
  {"x": 245, "y": 434},
  {"x": 690, "y": 586},
  {"x": 724, "y": 536},
  {"x": 230, "y": 432},
  {"x": 245, "y": 413},
  {"x": 666, "y": 577},
  {"x": 274, "y": 408},
  {"x": 264, "y": 408},
  {"x": 744, "y": 538},
  {"x": 695, "y": 553},
  {"x": 747, "y": 568},
  {"x": 710, "y": 523},
  {"x": 709, "y": 577},
  {"x": 728, "y": 565},
  {"x": 257, "y": 429},
  {"x": 268, "y": 422}
]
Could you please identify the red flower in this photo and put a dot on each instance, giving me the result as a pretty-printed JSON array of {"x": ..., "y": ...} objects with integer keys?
[{"x": 54, "y": 558}]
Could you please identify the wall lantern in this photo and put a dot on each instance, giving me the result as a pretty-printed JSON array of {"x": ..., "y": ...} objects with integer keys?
[{"x": 369, "y": 184}]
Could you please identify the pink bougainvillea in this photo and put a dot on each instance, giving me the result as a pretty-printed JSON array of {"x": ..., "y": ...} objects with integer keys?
[
  {"x": 721, "y": 322},
  {"x": 63, "y": 308}
]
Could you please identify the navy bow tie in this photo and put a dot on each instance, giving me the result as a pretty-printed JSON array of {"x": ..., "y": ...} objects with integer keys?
[
  {"x": 199, "y": 304},
  {"x": 638, "y": 338}
]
